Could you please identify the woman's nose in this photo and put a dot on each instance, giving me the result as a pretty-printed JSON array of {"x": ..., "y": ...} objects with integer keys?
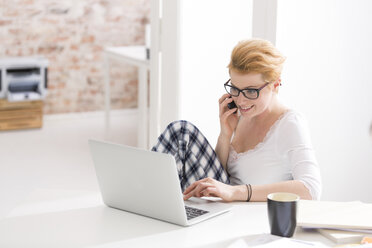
[{"x": 240, "y": 99}]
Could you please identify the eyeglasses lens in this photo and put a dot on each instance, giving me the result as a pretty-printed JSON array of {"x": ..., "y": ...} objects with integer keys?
[{"x": 248, "y": 93}]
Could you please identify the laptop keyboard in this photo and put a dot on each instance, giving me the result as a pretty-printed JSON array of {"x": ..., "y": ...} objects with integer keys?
[{"x": 194, "y": 212}]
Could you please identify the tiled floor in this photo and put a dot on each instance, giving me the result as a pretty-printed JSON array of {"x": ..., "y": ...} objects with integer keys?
[{"x": 57, "y": 155}]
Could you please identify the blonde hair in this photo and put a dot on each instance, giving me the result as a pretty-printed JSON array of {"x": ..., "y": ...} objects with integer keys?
[{"x": 257, "y": 56}]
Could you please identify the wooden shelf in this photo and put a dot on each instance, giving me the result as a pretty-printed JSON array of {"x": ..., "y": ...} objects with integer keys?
[{"x": 21, "y": 115}]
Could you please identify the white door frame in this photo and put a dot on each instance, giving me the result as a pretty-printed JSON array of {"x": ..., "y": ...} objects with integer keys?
[{"x": 264, "y": 19}]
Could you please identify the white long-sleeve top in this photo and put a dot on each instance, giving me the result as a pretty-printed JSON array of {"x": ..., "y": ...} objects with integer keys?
[{"x": 286, "y": 153}]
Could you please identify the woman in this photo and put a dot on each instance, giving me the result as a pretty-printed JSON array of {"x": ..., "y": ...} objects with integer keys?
[{"x": 263, "y": 146}]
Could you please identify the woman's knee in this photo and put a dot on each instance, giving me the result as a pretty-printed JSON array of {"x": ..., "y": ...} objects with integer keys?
[{"x": 182, "y": 126}]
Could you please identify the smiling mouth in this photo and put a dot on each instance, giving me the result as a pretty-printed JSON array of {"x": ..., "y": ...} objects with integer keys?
[{"x": 245, "y": 109}]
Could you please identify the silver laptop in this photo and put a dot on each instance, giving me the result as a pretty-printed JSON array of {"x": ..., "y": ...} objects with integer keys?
[{"x": 147, "y": 183}]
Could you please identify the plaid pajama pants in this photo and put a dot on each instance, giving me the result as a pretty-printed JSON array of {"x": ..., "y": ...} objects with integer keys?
[{"x": 195, "y": 158}]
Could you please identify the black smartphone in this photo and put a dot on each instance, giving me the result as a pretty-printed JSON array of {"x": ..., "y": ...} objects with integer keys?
[{"x": 231, "y": 105}]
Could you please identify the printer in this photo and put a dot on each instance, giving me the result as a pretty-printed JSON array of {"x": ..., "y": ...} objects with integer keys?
[{"x": 23, "y": 78}]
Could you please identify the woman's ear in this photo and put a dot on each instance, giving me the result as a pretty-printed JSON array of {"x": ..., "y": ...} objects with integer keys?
[{"x": 278, "y": 83}]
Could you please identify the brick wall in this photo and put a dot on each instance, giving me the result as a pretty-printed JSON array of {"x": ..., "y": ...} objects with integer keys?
[{"x": 71, "y": 34}]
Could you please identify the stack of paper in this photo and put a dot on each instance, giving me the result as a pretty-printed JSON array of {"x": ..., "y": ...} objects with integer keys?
[
  {"x": 342, "y": 222},
  {"x": 343, "y": 236}
]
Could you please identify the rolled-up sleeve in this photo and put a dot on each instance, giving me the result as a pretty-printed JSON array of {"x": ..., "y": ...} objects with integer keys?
[{"x": 294, "y": 143}]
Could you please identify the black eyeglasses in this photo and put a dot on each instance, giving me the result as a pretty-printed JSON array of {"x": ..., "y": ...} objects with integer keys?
[{"x": 249, "y": 93}]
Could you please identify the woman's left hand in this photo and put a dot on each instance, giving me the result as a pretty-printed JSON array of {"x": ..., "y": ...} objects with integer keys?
[{"x": 209, "y": 187}]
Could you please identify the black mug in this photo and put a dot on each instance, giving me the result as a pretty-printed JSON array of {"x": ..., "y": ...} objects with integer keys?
[{"x": 282, "y": 212}]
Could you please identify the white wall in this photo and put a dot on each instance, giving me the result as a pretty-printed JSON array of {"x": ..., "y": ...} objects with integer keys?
[
  {"x": 327, "y": 76},
  {"x": 208, "y": 32}
]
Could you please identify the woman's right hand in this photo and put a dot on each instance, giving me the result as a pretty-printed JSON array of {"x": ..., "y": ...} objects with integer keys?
[{"x": 228, "y": 117}]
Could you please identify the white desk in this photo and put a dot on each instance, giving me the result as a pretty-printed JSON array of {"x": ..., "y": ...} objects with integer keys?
[
  {"x": 57, "y": 218},
  {"x": 133, "y": 55}
]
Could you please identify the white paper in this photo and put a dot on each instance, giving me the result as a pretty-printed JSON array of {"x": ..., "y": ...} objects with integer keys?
[
  {"x": 268, "y": 240},
  {"x": 290, "y": 243},
  {"x": 240, "y": 243},
  {"x": 339, "y": 215}
]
